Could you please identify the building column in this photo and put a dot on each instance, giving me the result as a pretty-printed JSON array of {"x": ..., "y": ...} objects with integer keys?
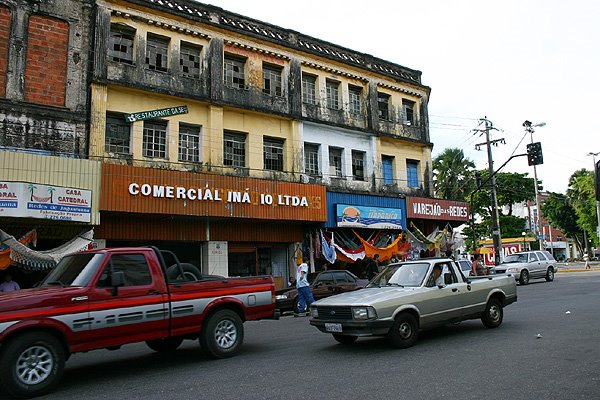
[
  {"x": 212, "y": 141},
  {"x": 215, "y": 258},
  {"x": 99, "y": 100}
]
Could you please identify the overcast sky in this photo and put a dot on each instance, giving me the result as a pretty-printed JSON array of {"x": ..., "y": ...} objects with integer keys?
[{"x": 508, "y": 60}]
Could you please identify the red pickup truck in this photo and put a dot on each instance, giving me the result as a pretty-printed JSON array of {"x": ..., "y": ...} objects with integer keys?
[{"x": 110, "y": 297}]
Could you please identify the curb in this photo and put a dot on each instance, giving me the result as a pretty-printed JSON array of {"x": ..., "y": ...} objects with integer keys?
[{"x": 578, "y": 270}]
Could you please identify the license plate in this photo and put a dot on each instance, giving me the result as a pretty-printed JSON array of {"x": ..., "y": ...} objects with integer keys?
[{"x": 333, "y": 327}]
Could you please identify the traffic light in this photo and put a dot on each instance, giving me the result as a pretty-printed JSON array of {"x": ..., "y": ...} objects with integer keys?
[
  {"x": 597, "y": 172},
  {"x": 534, "y": 153}
]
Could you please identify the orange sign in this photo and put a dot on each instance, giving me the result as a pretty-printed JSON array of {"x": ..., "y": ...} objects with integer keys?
[{"x": 155, "y": 191}]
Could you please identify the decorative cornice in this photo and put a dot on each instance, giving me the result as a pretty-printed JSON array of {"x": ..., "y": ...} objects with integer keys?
[
  {"x": 334, "y": 71},
  {"x": 161, "y": 24},
  {"x": 256, "y": 49},
  {"x": 399, "y": 89}
]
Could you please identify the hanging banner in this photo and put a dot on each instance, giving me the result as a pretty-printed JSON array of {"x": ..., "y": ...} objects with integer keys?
[
  {"x": 34, "y": 200},
  {"x": 369, "y": 217}
]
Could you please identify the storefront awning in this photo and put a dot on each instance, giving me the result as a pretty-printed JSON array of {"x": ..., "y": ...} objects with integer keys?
[{"x": 47, "y": 259}]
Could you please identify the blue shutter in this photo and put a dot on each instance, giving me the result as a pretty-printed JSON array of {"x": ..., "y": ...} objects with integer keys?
[
  {"x": 388, "y": 171},
  {"x": 411, "y": 172}
]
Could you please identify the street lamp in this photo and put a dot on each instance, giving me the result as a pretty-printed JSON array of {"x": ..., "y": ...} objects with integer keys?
[
  {"x": 529, "y": 128},
  {"x": 597, "y": 202}
]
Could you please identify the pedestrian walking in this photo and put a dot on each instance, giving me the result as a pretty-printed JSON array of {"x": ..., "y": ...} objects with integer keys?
[
  {"x": 305, "y": 296},
  {"x": 9, "y": 285},
  {"x": 586, "y": 258}
]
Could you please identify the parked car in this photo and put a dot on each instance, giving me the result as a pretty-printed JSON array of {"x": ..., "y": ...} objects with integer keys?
[
  {"x": 406, "y": 297},
  {"x": 325, "y": 284},
  {"x": 526, "y": 265},
  {"x": 465, "y": 267}
]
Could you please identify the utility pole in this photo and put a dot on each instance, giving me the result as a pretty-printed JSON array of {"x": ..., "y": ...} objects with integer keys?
[{"x": 497, "y": 238}]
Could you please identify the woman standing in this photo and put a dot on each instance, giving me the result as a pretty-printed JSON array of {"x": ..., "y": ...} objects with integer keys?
[{"x": 477, "y": 267}]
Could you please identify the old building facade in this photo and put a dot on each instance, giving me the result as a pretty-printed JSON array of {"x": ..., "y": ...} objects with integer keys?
[{"x": 217, "y": 135}]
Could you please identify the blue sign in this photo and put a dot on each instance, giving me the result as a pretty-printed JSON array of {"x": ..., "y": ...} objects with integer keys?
[{"x": 369, "y": 217}]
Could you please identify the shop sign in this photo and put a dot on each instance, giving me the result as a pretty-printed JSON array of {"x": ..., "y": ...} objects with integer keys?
[
  {"x": 214, "y": 195},
  {"x": 153, "y": 191},
  {"x": 163, "y": 112},
  {"x": 369, "y": 217},
  {"x": 447, "y": 210},
  {"x": 34, "y": 200},
  {"x": 507, "y": 249}
]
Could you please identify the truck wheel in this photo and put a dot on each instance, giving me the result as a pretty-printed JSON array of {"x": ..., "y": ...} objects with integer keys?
[
  {"x": 344, "y": 339},
  {"x": 31, "y": 364},
  {"x": 550, "y": 274},
  {"x": 190, "y": 273},
  {"x": 524, "y": 277},
  {"x": 165, "y": 345},
  {"x": 404, "y": 332},
  {"x": 223, "y": 334},
  {"x": 493, "y": 314}
]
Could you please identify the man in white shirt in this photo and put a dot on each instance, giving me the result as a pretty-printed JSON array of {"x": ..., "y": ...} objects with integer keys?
[{"x": 305, "y": 296}]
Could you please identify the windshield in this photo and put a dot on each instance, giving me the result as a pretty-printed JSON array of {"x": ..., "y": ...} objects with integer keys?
[
  {"x": 401, "y": 275},
  {"x": 74, "y": 270},
  {"x": 515, "y": 258}
]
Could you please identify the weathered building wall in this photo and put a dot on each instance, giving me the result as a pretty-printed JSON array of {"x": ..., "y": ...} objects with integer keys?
[
  {"x": 403, "y": 152},
  {"x": 44, "y": 75},
  {"x": 258, "y": 43}
]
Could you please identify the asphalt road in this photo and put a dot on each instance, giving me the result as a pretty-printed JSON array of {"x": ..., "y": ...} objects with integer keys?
[{"x": 289, "y": 359}]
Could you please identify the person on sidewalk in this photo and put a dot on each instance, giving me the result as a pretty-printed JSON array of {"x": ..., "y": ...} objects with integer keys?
[
  {"x": 305, "y": 296},
  {"x": 9, "y": 285},
  {"x": 586, "y": 258}
]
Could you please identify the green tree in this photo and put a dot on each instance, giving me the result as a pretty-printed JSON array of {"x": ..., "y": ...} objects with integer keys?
[
  {"x": 559, "y": 211},
  {"x": 582, "y": 195},
  {"x": 511, "y": 188},
  {"x": 451, "y": 174}
]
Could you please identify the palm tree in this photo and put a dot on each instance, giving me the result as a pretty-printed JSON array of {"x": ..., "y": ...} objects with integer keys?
[
  {"x": 51, "y": 190},
  {"x": 31, "y": 188},
  {"x": 451, "y": 173}
]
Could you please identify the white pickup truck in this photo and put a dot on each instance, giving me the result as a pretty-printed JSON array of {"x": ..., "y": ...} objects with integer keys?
[{"x": 410, "y": 296}]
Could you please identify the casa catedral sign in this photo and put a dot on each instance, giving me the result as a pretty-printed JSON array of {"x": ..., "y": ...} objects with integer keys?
[
  {"x": 163, "y": 112},
  {"x": 35, "y": 200},
  {"x": 209, "y": 194}
]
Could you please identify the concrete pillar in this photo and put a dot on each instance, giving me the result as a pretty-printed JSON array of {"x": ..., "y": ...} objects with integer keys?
[{"x": 215, "y": 258}]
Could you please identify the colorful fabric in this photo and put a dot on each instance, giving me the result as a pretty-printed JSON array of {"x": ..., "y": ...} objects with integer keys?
[
  {"x": 327, "y": 249},
  {"x": 351, "y": 256},
  {"x": 385, "y": 253},
  {"x": 5, "y": 261}
]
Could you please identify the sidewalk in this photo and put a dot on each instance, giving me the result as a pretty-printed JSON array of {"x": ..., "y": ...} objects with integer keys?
[{"x": 577, "y": 266}]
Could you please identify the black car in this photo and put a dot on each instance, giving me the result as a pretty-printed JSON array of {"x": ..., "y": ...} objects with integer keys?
[{"x": 324, "y": 284}]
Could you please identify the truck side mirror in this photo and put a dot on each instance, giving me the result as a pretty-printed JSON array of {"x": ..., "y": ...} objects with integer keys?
[{"x": 117, "y": 278}]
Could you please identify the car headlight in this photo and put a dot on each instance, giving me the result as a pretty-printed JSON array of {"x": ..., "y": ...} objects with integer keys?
[
  {"x": 281, "y": 297},
  {"x": 314, "y": 313},
  {"x": 363, "y": 313},
  {"x": 512, "y": 270}
]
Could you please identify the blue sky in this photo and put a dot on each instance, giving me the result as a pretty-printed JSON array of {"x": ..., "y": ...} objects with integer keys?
[{"x": 510, "y": 61}]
